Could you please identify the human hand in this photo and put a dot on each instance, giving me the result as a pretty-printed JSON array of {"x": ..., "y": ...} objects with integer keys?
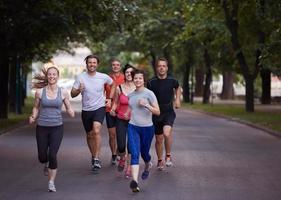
[
  {"x": 31, "y": 119},
  {"x": 108, "y": 102},
  {"x": 81, "y": 86},
  {"x": 112, "y": 113},
  {"x": 144, "y": 103},
  {"x": 177, "y": 104},
  {"x": 126, "y": 116}
]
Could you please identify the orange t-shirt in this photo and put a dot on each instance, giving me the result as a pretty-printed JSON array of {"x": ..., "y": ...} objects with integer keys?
[{"x": 118, "y": 80}]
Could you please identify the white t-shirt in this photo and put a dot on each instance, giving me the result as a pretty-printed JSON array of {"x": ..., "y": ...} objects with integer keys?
[{"x": 93, "y": 96}]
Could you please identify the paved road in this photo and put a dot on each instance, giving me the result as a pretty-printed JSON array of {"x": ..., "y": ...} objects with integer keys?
[{"x": 215, "y": 159}]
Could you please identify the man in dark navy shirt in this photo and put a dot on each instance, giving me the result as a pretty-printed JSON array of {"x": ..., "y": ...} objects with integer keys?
[{"x": 167, "y": 91}]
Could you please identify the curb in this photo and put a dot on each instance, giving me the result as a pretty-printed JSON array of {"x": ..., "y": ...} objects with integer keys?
[
  {"x": 15, "y": 126},
  {"x": 260, "y": 127}
]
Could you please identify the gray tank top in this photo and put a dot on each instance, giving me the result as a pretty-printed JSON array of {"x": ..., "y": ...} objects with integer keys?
[{"x": 50, "y": 110}]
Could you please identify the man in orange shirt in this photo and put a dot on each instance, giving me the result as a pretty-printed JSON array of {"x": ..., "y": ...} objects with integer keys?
[{"x": 118, "y": 78}]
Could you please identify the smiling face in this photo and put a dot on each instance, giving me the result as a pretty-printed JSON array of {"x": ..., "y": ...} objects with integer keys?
[
  {"x": 92, "y": 65},
  {"x": 116, "y": 66},
  {"x": 128, "y": 74},
  {"x": 139, "y": 80},
  {"x": 52, "y": 75}
]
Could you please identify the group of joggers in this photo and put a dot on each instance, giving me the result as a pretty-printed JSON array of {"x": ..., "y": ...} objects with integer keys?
[{"x": 135, "y": 110}]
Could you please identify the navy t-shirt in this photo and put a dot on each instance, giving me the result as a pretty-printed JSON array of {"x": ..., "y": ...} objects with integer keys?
[{"x": 164, "y": 91}]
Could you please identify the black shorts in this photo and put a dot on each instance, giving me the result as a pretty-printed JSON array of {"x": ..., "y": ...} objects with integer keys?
[
  {"x": 163, "y": 119},
  {"x": 110, "y": 120},
  {"x": 89, "y": 117}
]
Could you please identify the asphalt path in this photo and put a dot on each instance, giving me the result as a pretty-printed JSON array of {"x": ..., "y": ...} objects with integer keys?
[{"x": 215, "y": 159}]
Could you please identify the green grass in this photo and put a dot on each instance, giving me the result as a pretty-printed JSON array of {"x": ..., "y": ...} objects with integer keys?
[
  {"x": 269, "y": 119},
  {"x": 15, "y": 119}
]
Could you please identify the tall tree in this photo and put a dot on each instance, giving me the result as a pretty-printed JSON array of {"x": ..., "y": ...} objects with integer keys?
[
  {"x": 231, "y": 11},
  {"x": 34, "y": 30}
]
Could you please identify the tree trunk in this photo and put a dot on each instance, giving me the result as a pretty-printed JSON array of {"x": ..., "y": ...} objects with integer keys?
[
  {"x": 186, "y": 87},
  {"x": 199, "y": 80},
  {"x": 266, "y": 86},
  {"x": 18, "y": 86},
  {"x": 153, "y": 61},
  {"x": 227, "y": 86},
  {"x": 12, "y": 86},
  {"x": 208, "y": 78},
  {"x": 231, "y": 13},
  {"x": 4, "y": 78},
  {"x": 167, "y": 55},
  {"x": 24, "y": 88},
  {"x": 265, "y": 73},
  {"x": 249, "y": 94}
]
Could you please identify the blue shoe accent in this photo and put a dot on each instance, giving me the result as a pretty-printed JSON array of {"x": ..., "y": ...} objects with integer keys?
[{"x": 145, "y": 174}]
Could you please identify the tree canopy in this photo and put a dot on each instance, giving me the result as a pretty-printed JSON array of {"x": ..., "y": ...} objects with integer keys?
[{"x": 211, "y": 35}]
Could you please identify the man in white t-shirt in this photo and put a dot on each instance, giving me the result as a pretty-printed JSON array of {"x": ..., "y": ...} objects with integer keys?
[{"x": 91, "y": 86}]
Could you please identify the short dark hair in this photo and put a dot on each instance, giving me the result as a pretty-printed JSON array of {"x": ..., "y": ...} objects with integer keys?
[
  {"x": 127, "y": 66},
  {"x": 92, "y": 56},
  {"x": 139, "y": 71},
  {"x": 161, "y": 59}
]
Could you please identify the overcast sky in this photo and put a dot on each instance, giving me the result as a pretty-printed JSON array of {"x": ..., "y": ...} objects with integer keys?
[{"x": 63, "y": 58}]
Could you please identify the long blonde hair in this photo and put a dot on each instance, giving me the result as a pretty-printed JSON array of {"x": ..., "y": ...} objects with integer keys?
[{"x": 41, "y": 80}]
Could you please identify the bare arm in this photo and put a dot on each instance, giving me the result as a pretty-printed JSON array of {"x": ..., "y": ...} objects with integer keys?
[
  {"x": 67, "y": 104},
  {"x": 115, "y": 102},
  {"x": 154, "y": 108},
  {"x": 178, "y": 97},
  {"x": 75, "y": 92},
  {"x": 35, "y": 109},
  {"x": 109, "y": 101}
]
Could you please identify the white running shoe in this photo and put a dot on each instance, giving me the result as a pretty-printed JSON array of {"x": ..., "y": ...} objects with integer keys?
[
  {"x": 160, "y": 165},
  {"x": 169, "y": 162},
  {"x": 51, "y": 187}
]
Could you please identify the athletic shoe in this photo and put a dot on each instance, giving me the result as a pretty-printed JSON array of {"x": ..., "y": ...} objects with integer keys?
[
  {"x": 121, "y": 164},
  {"x": 51, "y": 187},
  {"x": 46, "y": 170},
  {"x": 160, "y": 165},
  {"x": 145, "y": 173},
  {"x": 96, "y": 165},
  {"x": 134, "y": 186},
  {"x": 169, "y": 162},
  {"x": 92, "y": 163},
  {"x": 128, "y": 173},
  {"x": 114, "y": 160},
  {"x": 118, "y": 158}
]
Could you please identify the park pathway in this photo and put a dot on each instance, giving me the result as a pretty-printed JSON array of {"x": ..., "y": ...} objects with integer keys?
[{"x": 215, "y": 159}]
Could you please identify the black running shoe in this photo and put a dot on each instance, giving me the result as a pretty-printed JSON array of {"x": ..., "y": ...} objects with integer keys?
[{"x": 134, "y": 186}]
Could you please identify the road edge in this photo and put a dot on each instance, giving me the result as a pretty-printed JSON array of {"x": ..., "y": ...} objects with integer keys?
[{"x": 251, "y": 124}]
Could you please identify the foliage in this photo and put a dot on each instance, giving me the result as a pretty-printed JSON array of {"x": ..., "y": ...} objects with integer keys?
[
  {"x": 15, "y": 120},
  {"x": 263, "y": 117}
]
